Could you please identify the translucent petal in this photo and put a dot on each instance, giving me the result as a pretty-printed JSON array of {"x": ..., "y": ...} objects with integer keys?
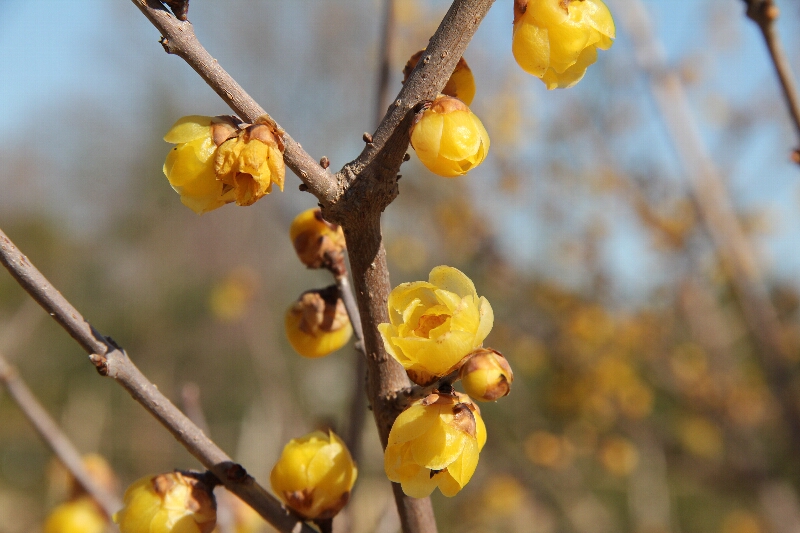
[
  {"x": 438, "y": 447},
  {"x": 531, "y": 48},
  {"x": 453, "y": 280},
  {"x": 598, "y": 16},
  {"x": 421, "y": 485},
  {"x": 567, "y": 41},
  {"x": 439, "y": 355},
  {"x": 188, "y": 129},
  {"x": 460, "y": 139},
  {"x": 464, "y": 466},
  {"x": 466, "y": 317},
  {"x": 447, "y": 485},
  {"x": 486, "y": 321},
  {"x": 426, "y": 136},
  {"x": 412, "y": 423},
  {"x": 405, "y": 294},
  {"x": 448, "y": 298}
]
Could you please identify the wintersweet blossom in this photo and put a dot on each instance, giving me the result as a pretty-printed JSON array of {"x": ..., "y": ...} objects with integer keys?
[
  {"x": 557, "y": 40},
  {"x": 449, "y": 139},
  {"x": 80, "y": 515},
  {"x": 435, "y": 443},
  {"x": 318, "y": 243},
  {"x": 317, "y": 323},
  {"x": 314, "y": 475},
  {"x": 434, "y": 324},
  {"x": 486, "y": 376},
  {"x": 461, "y": 84},
  {"x": 167, "y": 503}
]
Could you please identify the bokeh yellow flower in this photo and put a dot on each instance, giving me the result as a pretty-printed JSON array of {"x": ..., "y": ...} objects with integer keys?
[
  {"x": 318, "y": 243},
  {"x": 433, "y": 325},
  {"x": 314, "y": 475},
  {"x": 557, "y": 40},
  {"x": 317, "y": 323},
  {"x": 449, "y": 139},
  {"x": 461, "y": 84},
  {"x": 167, "y": 503},
  {"x": 435, "y": 443},
  {"x": 251, "y": 162},
  {"x": 189, "y": 166},
  {"x": 76, "y": 516},
  {"x": 486, "y": 376}
]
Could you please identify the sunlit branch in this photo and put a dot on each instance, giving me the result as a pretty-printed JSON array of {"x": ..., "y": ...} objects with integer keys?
[
  {"x": 54, "y": 437},
  {"x": 110, "y": 360},
  {"x": 179, "y": 38},
  {"x": 764, "y": 13}
]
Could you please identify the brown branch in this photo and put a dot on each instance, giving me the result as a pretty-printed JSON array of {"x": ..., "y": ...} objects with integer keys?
[
  {"x": 61, "y": 445},
  {"x": 179, "y": 38},
  {"x": 110, "y": 360},
  {"x": 417, "y": 392},
  {"x": 716, "y": 210},
  {"x": 764, "y": 13}
]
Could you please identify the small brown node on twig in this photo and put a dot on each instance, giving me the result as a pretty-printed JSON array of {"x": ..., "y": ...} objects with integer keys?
[
  {"x": 325, "y": 162},
  {"x": 367, "y": 137},
  {"x": 180, "y": 8},
  {"x": 236, "y": 473},
  {"x": 303, "y": 187},
  {"x": 406, "y": 156},
  {"x": 796, "y": 156},
  {"x": 100, "y": 362}
]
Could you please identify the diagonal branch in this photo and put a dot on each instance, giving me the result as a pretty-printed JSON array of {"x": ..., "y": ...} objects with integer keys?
[
  {"x": 179, "y": 38},
  {"x": 55, "y": 438},
  {"x": 764, "y": 13},
  {"x": 112, "y": 361}
]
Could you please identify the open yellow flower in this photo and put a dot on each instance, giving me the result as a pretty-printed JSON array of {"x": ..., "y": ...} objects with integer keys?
[
  {"x": 461, "y": 84},
  {"x": 317, "y": 323},
  {"x": 435, "y": 443},
  {"x": 433, "y": 325},
  {"x": 251, "y": 162},
  {"x": 557, "y": 40},
  {"x": 449, "y": 139},
  {"x": 189, "y": 166},
  {"x": 167, "y": 503},
  {"x": 80, "y": 515},
  {"x": 314, "y": 475}
]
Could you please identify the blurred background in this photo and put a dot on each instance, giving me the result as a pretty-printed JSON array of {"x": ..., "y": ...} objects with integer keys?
[{"x": 656, "y": 376}]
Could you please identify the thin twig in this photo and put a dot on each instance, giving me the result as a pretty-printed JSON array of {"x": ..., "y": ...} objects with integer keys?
[
  {"x": 717, "y": 214},
  {"x": 178, "y": 38},
  {"x": 110, "y": 360},
  {"x": 417, "y": 392},
  {"x": 55, "y": 438},
  {"x": 764, "y": 13}
]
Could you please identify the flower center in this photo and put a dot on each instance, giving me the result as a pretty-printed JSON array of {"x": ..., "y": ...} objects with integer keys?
[{"x": 429, "y": 322}]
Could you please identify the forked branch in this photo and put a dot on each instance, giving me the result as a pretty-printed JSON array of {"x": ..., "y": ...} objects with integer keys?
[{"x": 110, "y": 360}]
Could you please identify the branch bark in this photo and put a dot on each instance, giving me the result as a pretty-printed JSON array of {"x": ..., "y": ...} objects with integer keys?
[
  {"x": 110, "y": 360},
  {"x": 764, "y": 13},
  {"x": 61, "y": 445},
  {"x": 178, "y": 38}
]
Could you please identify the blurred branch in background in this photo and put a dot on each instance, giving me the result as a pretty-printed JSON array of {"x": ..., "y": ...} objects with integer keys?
[
  {"x": 61, "y": 445},
  {"x": 717, "y": 214},
  {"x": 111, "y": 361},
  {"x": 764, "y": 13}
]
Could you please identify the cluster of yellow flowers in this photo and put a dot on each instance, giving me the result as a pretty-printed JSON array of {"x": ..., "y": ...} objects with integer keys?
[
  {"x": 436, "y": 330},
  {"x": 219, "y": 160}
]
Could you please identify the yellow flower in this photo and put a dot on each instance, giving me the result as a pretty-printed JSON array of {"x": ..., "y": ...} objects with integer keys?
[
  {"x": 461, "y": 84},
  {"x": 557, "y": 40},
  {"x": 449, "y": 139},
  {"x": 96, "y": 466},
  {"x": 189, "y": 166},
  {"x": 318, "y": 243},
  {"x": 435, "y": 443},
  {"x": 317, "y": 323},
  {"x": 433, "y": 325},
  {"x": 486, "y": 375},
  {"x": 252, "y": 162},
  {"x": 167, "y": 503},
  {"x": 77, "y": 516},
  {"x": 314, "y": 475}
]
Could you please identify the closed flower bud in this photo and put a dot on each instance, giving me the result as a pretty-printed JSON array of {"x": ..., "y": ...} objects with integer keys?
[
  {"x": 461, "y": 84},
  {"x": 317, "y": 323},
  {"x": 319, "y": 244},
  {"x": 433, "y": 325},
  {"x": 435, "y": 443},
  {"x": 486, "y": 375},
  {"x": 557, "y": 40},
  {"x": 314, "y": 475},
  {"x": 449, "y": 139},
  {"x": 251, "y": 162},
  {"x": 76, "y": 516},
  {"x": 96, "y": 466},
  {"x": 189, "y": 166},
  {"x": 167, "y": 503}
]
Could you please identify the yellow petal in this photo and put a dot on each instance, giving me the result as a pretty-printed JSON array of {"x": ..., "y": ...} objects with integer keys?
[
  {"x": 412, "y": 423},
  {"x": 460, "y": 139},
  {"x": 438, "y": 447},
  {"x": 486, "y": 321},
  {"x": 421, "y": 485},
  {"x": 531, "y": 48},
  {"x": 188, "y": 129},
  {"x": 453, "y": 280},
  {"x": 426, "y": 136}
]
